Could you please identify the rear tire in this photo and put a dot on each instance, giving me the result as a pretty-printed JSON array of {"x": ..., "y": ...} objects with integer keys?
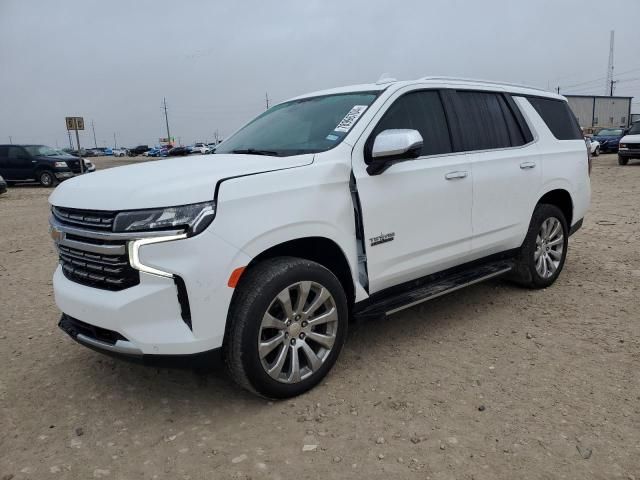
[
  {"x": 287, "y": 324},
  {"x": 622, "y": 160},
  {"x": 544, "y": 249},
  {"x": 47, "y": 179}
]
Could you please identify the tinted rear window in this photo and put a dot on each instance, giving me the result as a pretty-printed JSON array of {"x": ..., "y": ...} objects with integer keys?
[
  {"x": 558, "y": 117},
  {"x": 485, "y": 121}
]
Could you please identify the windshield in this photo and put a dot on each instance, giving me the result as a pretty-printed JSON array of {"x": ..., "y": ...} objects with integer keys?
[
  {"x": 43, "y": 151},
  {"x": 635, "y": 129},
  {"x": 610, "y": 132},
  {"x": 309, "y": 125}
]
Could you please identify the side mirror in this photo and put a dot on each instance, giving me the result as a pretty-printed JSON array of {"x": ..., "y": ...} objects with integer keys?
[{"x": 392, "y": 146}]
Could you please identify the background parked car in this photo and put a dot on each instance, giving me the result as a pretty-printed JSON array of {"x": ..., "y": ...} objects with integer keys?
[
  {"x": 3, "y": 185},
  {"x": 594, "y": 146},
  {"x": 179, "y": 151},
  {"x": 119, "y": 152},
  {"x": 80, "y": 153},
  {"x": 139, "y": 150},
  {"x": 200, "y": 147},
  {"x": 157, "y": 152},
  {"x": 609, "y": 138},
  {"x": 630, "y": 145},
  {"x": 44, "y": 164}
]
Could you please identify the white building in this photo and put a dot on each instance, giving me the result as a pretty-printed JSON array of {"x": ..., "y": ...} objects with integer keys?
[{"x": 595, "y": 111}]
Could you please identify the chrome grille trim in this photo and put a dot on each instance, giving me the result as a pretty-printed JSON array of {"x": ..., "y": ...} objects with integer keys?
[
  {"x": 92, "y": 247},
  {"x": 89, "y": 218},
  {"x": 108, "y": 235}
]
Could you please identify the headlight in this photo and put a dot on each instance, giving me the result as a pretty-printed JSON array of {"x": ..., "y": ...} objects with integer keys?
[
  {"x": 60, "y": 164},
  {"x": 194, "y": 218},
  {"x": 623, "y": 145}
]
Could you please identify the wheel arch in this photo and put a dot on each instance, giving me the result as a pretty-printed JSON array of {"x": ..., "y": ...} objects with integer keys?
[
  {"x": 561, "y": 198},
  {"x": 321, "y": 250}
]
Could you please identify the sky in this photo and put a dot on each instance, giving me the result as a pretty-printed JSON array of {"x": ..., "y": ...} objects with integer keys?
[{"x": 112, "y": 62}]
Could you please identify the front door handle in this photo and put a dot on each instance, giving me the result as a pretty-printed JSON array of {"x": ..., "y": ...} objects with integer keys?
[
  {"x": 527, "y": 165},
  {"x": 456, "y": 175}
]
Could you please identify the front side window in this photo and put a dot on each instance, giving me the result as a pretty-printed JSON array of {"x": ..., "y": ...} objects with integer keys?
[
  {"x": 308, "y": 125},
  {"x": 421, "y": 111},
  {"x": 42, "y": 151}
]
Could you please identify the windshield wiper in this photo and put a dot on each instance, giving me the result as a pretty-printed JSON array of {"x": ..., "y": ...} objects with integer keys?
[{"x": 253, "y": 151}]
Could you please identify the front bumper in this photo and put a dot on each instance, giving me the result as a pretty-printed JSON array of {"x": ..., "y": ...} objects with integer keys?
[
  {"x": 115, "y": 345},
  {"x": 629, "y": 152},
  {"x": 149, "y": 315},
  {"x": 64, "y": 175}
]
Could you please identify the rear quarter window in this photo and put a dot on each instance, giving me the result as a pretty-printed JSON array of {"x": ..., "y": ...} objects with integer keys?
[{"x": 558, "y": 117}]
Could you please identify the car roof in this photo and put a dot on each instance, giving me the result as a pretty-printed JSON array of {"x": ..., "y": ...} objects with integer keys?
[{"x": 436, "y": 82}]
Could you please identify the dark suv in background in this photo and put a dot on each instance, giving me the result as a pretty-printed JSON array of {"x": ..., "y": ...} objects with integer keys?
[
  {"x": 23, "y": 163},
  {"x": 139, "y": 150}
]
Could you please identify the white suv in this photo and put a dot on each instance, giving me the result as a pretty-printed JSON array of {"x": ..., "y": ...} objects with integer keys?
[{"x": 353, "y": 202}]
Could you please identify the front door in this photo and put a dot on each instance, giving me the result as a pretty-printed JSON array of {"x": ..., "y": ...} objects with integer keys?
[
  {"x": 416, "y": 214},
  {"x": 20, "y": 164}
]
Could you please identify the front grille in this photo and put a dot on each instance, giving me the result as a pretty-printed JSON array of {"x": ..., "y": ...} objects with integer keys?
[
  {"x": 89, "y": 219},
  {"x": 73, "y": 327},
  {"x": 108, "y": 272}
]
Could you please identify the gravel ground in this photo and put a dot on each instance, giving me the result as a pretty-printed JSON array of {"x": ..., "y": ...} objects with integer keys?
[{"x": 490, "y": 382}]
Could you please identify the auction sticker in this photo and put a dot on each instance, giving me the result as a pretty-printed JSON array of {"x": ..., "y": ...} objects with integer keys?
[{"x": 350, "y": 118}]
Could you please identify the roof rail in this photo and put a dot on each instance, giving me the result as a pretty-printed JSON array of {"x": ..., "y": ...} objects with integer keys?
[{"x": 473, "y": 80}]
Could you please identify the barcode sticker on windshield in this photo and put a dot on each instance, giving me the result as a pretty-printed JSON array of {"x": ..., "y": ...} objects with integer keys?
[{"x": 350, "y": 118}]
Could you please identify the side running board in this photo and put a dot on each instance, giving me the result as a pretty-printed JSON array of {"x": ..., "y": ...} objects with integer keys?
[{"x": 432, "y": 287}]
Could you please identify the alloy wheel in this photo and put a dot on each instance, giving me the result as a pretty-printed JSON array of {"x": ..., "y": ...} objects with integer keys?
[
  {"x": 297, "y": 332},
  {"x": 549, "y": 247}
]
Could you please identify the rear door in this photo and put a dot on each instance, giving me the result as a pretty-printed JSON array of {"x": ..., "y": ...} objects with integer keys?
[
  {"x": 507, "y": 172},
  {"x": 416, "y": 214}
]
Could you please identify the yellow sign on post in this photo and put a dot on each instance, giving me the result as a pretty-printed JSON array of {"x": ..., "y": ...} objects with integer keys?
[{"x": 74, "y": 123}]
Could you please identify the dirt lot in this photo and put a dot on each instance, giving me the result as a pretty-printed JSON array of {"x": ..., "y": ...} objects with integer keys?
[{"x": 489, "y": 382}]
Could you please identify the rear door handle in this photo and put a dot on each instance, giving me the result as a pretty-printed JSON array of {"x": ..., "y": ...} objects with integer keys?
[
  {"x": 455, "y": 175},
  {"x": 527, "y": 165}
]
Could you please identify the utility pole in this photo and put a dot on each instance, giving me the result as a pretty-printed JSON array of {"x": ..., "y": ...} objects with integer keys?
[
  {"x": 613, "y": 83},
  {"x": 166, "y": 118},
  {"x": 266, "y": 97},
  {"x": 95, "y": 144},
  {"x": 558, "y": 89},
  {"x": 115, "y": 142},
  {"x": 609, "y": 85},
  {"x": 70, "y": 142},
  {"x": 10, "y": 140}
]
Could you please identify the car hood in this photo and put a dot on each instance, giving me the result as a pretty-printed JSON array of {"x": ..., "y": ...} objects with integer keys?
[
  {"x": 630, "y": 138},
  {"x": 63, "y": 157},
  {"x": 606, "y": 138},
  {"x": 163, "y": 183}
]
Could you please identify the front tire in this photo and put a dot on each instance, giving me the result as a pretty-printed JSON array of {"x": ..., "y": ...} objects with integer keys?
[
  {"x": 596, "y": 152},
  {"x": 544, "y": 249},
  {"x": 287, "y": 324},
  {"x": 622, "y": 160},
  {"x": 47, "y": 179}
]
